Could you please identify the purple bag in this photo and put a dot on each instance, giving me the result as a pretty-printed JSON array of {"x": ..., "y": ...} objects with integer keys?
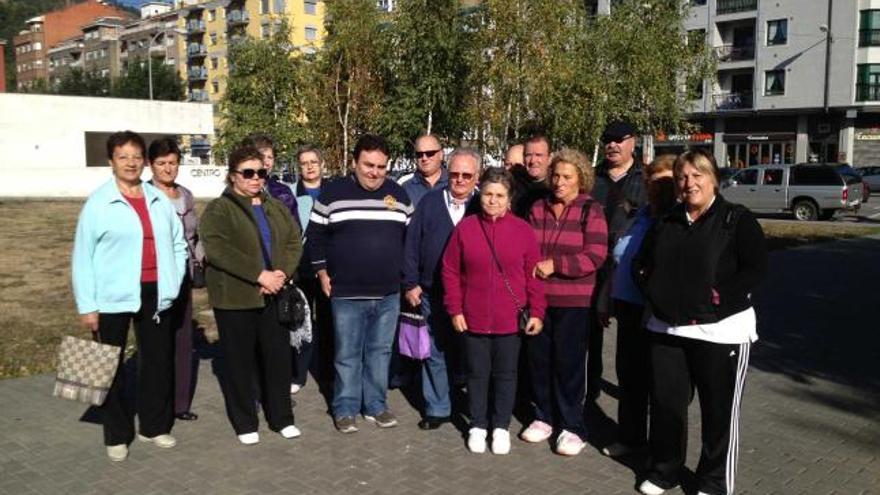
[{"x": 413, "y": 338}]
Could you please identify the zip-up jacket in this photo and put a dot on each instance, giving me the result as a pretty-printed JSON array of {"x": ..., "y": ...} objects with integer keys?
[
  {"x": 232, "y": 246},
  {"x": 107, "y": 250},
  {"x": 681, "y": 264},
  {"x": 471, "y": 281}
]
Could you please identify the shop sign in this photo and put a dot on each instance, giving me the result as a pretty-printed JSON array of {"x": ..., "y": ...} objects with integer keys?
[
  {"x": 698, "y": 137},
  {"x": 868, "y": 135}
]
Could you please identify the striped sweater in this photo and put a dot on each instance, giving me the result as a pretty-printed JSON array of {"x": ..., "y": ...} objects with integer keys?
[
  {"x": 357, "y": 236},
  {"x": 577, "y": 243}
]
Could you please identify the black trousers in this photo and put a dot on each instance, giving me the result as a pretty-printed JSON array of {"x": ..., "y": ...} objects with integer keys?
[
  {"x": 556, "y": 359},
  {"x": 633, "y": 364},
  {"x": 254, "y": 343},
  {"x": 155, "y": 371},
  {"x": 316, "y": 355},
  {"x": 718, "y": 373},
  {"x": 491, "y": 360},
  {"x": 595, "y": 341}
]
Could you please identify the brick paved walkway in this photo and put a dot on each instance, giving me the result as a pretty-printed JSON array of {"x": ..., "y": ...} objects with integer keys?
[{"x": 810, "y": 421}]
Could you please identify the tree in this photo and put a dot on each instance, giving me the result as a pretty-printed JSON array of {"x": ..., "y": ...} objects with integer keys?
[
  {"x": 264, "y": 94},
  {"x": 77, "y": 82},
  {"x": 134, "y": 82}
]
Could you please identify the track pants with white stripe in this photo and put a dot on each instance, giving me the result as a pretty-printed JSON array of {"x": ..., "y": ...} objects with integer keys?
[{"x": 717, "y": 372}]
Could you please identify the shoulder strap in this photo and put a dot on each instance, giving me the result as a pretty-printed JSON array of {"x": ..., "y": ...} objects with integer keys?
[
  {"x": 498, "y": 264},
  {"x": 259, "y": 235},
  {"x": 731, "y": 216}
]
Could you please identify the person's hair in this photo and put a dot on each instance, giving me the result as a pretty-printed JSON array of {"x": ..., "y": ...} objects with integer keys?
[
  {"x": 122, "y": 138},
  {"x": 661, "y": 163},
  {"x": 580, "y": 162},
  {"x": 702, "y": 161},
  {"x": 537, "y": 138},
  {"x": 497, "y": 175},
  {"x": 310, "y": 149},
  {"x": 370, "y": 142},
  {"x": 428, "y": 135},
  {"x": 163, "y": 146},
  {"x": 463, "y": 151},
  {"x": 259, "y": 141},
  {"x": 238, "y": 156}
]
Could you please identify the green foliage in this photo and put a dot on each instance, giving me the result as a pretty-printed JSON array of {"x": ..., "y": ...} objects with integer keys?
[
  {"x": 263, "y": 94},
  {"x": 77, "y": 82},
  {"x": 134, "y": 82}
]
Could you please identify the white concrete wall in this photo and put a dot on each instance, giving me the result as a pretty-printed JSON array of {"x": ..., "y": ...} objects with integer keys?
[{"x": 43, "y": 147}]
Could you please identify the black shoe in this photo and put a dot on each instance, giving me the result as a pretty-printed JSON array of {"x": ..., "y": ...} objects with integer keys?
[
  {"x": 187, "y": 416},
  {"x": 432, "y": 422}
]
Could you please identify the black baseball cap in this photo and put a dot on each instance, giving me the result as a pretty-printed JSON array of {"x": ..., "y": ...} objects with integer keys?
[{"x": 617, "y": 130}]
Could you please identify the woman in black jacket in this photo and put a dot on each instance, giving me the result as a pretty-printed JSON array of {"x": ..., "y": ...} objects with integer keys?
[{"x": 698, "y": 267}]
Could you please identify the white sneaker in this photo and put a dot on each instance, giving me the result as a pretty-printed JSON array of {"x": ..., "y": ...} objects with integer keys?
[
  {"x": 249, "y": 438},
  {"x": 117, "y": 453},
  {"x": 290, "y": 432},
  {"x": 500, "y": 441},
  {"x": 294, "y": 388},
  {"x": 648, "y": 488},
  {"x": 162, "y": 441},
  {"x": 569, "y": 444},
  {"x": 538, "y": 431},
  {"x": 477, "y": 440}
]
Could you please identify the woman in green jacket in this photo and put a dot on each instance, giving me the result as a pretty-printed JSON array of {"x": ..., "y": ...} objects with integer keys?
[{"x": 252, "y": 246}]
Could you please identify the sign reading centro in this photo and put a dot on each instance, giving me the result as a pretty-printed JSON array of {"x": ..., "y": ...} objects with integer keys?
[{"x": 699, "y": 137}]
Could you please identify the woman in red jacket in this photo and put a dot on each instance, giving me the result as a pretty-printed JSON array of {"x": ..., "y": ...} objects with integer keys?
[{"x": 487, "y": 278}]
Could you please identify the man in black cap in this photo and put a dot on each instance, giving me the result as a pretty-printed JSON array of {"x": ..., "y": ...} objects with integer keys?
[{"x": 620, "y": 188}]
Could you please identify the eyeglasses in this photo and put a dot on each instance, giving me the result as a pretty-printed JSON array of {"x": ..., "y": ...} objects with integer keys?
[
  {"x": 461, "y": 175},
  {"x": 249, "y": 173},
  {"x": 426, "y": 154},
  {"x": 615, "y": 139}
]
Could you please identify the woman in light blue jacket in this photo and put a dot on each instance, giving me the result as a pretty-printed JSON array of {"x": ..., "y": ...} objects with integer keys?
[{"x": 129, "y": 259}]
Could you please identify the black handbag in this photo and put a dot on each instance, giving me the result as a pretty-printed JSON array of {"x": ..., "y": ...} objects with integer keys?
[
  {"x": 289, "y": 304},
  {"x": 523, "y": 315},
  {"x": 198, "y": 276}
]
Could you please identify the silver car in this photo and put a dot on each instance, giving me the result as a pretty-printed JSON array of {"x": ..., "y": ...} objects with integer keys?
[
  {"x": 871, "y": 176},
  {"x": 809, "y": 191}
]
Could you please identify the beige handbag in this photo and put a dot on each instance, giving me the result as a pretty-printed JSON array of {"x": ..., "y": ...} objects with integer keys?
[{"x": 85, "y": 370}]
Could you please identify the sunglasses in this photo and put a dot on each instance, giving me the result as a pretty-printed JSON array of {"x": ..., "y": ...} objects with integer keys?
[
  {"x": 615, "y": 139},
  {"x": 249, "y": 173},
  {"x": 426, "y": 154},
  {"x": 461, "y": 175}
]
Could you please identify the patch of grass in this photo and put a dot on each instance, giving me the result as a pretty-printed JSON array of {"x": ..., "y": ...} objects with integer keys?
[{"x": 788, "y": 234}]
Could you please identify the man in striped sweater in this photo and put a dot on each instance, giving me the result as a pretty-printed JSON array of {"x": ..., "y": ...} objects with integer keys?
[{"x": 356, "y": 234}]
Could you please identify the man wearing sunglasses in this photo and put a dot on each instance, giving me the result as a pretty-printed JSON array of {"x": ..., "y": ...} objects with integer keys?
[
  {"x": 430, "y": 174},
  {"x": 620, "y": 188},
  {"x": 426, "y": 239}
]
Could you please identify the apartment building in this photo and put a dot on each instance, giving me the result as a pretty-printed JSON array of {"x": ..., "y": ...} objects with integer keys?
[
  {"x": 212, "y": 26},
  {"x": 43, "y": 32},
  {"x": 797, "y": 81},
  {"x": 155, "y": 35}
]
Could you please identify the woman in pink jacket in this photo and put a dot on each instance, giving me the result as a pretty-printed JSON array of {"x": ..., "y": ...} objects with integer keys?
[{"x": 487, "y": 278}]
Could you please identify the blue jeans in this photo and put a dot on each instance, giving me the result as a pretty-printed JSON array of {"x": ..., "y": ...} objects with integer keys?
[
  {"x": 435, "y": 378},
  {"x": 364, "y": 333}
]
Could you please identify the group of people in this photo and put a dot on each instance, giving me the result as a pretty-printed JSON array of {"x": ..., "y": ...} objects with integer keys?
[{"x": 514, "y": 270}]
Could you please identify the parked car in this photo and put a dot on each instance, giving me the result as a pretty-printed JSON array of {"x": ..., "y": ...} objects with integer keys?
[
  {"x": 809, "y": 191},
  {"x": 851, "y": 175},
  {"x": 870, "y": 176}
]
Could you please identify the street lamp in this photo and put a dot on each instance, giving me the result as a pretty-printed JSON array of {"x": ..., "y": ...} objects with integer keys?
[{"x": 152, "y": 41}]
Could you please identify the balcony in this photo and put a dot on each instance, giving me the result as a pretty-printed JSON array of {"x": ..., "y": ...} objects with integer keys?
[
  {"x": 867, "y": 91},
  {"x": 195, "y": 50},
  {"x": 197, "y": 74},
  {"x": 237, "y": 18},
  {"x": 735, "y": 53},
  {"x": 195, "y": 27},
  {"x": 869, "y": 37},
  {"x": 732, "y": 101},
  {"x": 734, "y": 6},
  {"x": 198, "y": 96}
]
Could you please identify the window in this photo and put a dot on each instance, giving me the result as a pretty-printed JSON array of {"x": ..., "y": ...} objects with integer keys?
[
  {"x": 869, "y": 27},
  {"x": 814, "y": 175},
  {"x": 38, "y": 46},
  {"x": 214, "y": 63},
  {"x": 280, "y": 6},
  {"x": 868, "y": 82},
  {"x": 777, "y": 32},
  {"x": 103, "y": 53},
  {"x": 212, "y": 14},
  {"x": 264, "y": 6},
  {"x": 773, "y": 177},
  {"x": 213, "y": 39},
  {"x": 696, "y": 3},
  {"x": 748, "y": 177},
  {"x": 215, "y": 86},
  {"x": 265, "y": 31},
  {"x": 311, "y": 7},
  {"x": 774, "y": 82},
  {"x": 696, "y": 37},
  {"x": 311, "y": 33}
]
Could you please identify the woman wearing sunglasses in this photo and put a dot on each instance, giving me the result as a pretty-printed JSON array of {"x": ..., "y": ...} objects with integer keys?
[{"x": 252, "y": 245}]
